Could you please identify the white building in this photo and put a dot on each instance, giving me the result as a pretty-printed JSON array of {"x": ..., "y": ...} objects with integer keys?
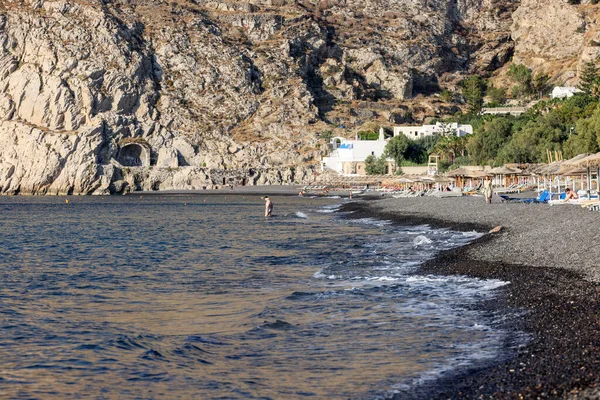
[
  {"x": 562, "y": 92},
  {"x": 443, "y": 129},
  {"x": 348, "y": 156}
]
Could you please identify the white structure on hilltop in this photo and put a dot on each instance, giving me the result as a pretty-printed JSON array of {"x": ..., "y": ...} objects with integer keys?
[
  {"x": 348, "y": 156},
  {"x": 562, "y": 92},
  {"x": 440, "y": 128}
]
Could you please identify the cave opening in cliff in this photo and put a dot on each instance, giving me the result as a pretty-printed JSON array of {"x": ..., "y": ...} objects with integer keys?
[{"x": 132, "y": 155}]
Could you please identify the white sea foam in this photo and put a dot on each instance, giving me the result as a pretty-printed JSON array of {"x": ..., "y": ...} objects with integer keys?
[
  {"x": 461, "y": 285},
  {"x": 382, "y": 267},
  {"x": 421, "y": 240},
  {"x": 467, "y": 235},
  {"x": 319, "y": 274},
  {"x": 385, "y": 279},
  {"x": 300, "y": 214},
  {"x": 371, "y": 221},
  {"x": 472, "y": 234},
  {"x": 329, "y": 209}
]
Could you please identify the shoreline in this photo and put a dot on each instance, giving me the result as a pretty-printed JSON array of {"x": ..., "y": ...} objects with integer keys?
[
  {"x": 270, "y": 190},
  {"x": 562, "y": 359}
]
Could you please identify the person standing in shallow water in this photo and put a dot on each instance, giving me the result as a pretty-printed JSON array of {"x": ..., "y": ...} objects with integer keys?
[
  {"x": 487, "y": 190},
  {"x": 268, "y": 206}
]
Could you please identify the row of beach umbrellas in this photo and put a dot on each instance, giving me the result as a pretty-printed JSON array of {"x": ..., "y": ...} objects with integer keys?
[{"x": 581, "y": 165}]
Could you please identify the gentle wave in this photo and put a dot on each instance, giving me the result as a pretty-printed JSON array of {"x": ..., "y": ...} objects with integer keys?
[{"x": 200, "y": 296}]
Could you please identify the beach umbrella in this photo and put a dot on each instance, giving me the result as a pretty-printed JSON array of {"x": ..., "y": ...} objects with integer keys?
[
  {"x": 552, "y": 168},
  {"x": 572, "y": 171},
  {"x": 570, "y": 167},
  {"x": 428, "y": 180},
  {"x": 549, "y": 170},
  {"x": 461, "y": 172},
  {"x": 480, "y": 174},
  {"x": 503, "y": 170},
  {"x": 500, "y": 171},
  {"x": 574, "y": 162},
  {"x": 593, "y": 160},
  {"x": 439, "y": 180},
  {"x": 477, "y": 174},
  {"x": 442, "y": 179},
  {"x": 405, "y": 180},
  {"x": 589, "y": 162}
]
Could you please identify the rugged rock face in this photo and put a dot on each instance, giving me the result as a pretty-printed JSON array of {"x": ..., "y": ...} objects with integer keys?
[
  {"x": 104, "y": 96},
  {"x": 555, "y": 37},
  {"x": 548, "y": 36}
]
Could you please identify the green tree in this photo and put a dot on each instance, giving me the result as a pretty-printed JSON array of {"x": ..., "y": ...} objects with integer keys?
[
  {"x": 458, "y": 144},
  {"x": 396, "y": 148},
  {"x": 368, "y": 135},
  {"x": 540, "y": 84},
  {"x": 419, "y": 150},
  {"x": 441, "y": 148},
  {"x": 450, "y": 147},
  {"x": 473, "y": 89},
  {"x": 497, "y": 96},
  {"x": 522, "y": 76},
  {"x": 375, "y": 166},
  {"x": 484, "y": 146},
  {"x": 586, "y": 137},
  {"x": 589, "y": 80},
  {"x": 529, "y": 144}
]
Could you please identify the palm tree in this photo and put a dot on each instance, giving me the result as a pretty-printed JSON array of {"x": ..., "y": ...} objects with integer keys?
[
  {"x": 448, "y": 147},
  {"x": 442, "y": 148}
]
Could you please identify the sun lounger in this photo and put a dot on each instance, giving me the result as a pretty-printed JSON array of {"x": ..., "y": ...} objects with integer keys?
[
  {"x": 571, "y": 201},
  {"x": 544, "y": 197},
  {"x": 593, "y": 205},
  {"x": 503, "y": 190},
  {"x": 511, "y": 189},
  {"x": 448, "y": 194},
  {"x": 585, "y": 202}
]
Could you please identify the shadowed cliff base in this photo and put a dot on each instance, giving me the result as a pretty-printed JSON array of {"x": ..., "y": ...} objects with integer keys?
[{"x": 556, "y": 307}]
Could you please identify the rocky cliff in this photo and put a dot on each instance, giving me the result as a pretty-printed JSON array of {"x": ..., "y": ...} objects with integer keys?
[{"x": 110, "y": 96}]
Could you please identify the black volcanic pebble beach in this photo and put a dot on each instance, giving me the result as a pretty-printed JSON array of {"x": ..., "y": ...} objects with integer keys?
[{"x": 550, "y": 255}]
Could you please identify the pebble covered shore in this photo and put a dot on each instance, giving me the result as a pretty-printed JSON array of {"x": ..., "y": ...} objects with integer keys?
[
  {"x": 539, "y": 235},
  {"x": 551, "y": 256}
]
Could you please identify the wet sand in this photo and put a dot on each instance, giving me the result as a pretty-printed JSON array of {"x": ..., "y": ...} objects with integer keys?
[{"x": 550, "y": 254}]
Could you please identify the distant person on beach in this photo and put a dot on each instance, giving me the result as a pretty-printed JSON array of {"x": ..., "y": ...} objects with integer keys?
[
  {"x": 487, "y": 190},
  {"x": 570, "y": 195},
  {"x": 268, "y": 206}
]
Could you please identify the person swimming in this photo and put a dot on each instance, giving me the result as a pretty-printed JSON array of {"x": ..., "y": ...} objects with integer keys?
[{"x": 268, "y": 206}]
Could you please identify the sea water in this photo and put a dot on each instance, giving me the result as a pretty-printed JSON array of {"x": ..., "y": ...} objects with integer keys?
[{"x": 202, "y": 297}]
